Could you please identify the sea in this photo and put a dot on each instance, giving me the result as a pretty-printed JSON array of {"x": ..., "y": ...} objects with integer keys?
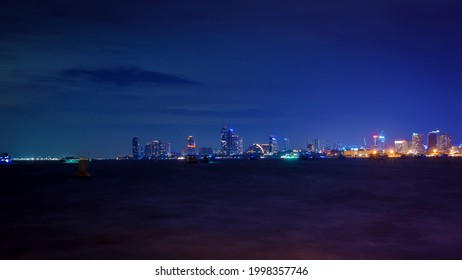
[{"x": 351, "y": 209}]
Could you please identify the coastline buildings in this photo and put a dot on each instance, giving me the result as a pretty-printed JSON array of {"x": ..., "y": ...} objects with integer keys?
[
  {"x": 157, "y": 149},
  {"x": 439, "y": 144}
]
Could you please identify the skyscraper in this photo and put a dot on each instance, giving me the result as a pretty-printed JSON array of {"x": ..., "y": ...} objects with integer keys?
[
  {"x": 444, "y": 142},
  {"x": 316, "y": 146},
  {"x": 148, "y": 150},
  {"x": 375, "y": 137},
  {"x": 226, "y": 141},
  {"x": 417, "y": 143},
  {"x": 136, "y": 148},
  {"x": 237, "y": 145},
  {"x": 168, "y": 149},
  {"x": 286, "y": 144},
  {"x": 273, "y": 145},
  {"x": 155, "y": 148},
  {"x": 432, "y": 141},
  {"x": 191, "y": 146},
  {"x": 231, "y": 144},
  {"x": 381, "y": 142}
]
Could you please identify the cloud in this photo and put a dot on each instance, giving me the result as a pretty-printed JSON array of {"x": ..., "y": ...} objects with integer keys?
[{"x": 124, "y": 76}]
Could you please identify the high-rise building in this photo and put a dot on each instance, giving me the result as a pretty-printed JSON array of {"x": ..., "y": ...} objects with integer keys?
[
  {"x": 432, "y": 142},
  {"x": 417, "y": 143},
  {"x": 375, "y": 137},
  {"x": 273, "y": 145},
  {"x": 286, "y": 144},
  {"x": 401, "y": 146},
  {"x": 237, "y": 145},
  {"x": 226, "y": 141},
  {"x": 444, "y": 142},
  {"x": 381, "y": 142},
  {"x": 136, "y": 148},
  {"x": 168, "y": 149},
  {"x": 231, "y": 144},
  {"x": 191, "y": 146},
  {"x": 316, "y": 146},
  {"x": 148, "y": 150},
  {"x": 156, "y": 148}
]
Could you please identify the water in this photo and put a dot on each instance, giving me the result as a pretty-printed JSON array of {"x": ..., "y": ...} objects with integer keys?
[{"x": 274, "y": 209}]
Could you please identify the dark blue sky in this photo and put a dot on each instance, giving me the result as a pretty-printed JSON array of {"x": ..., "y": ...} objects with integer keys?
[{"x": 85, "y": 77}]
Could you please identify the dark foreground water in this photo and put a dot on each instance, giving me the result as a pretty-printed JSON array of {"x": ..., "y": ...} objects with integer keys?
[{"x": 275, "y": 209}]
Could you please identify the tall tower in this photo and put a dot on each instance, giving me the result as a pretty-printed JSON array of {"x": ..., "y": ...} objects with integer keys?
[
  {"x": 417, "y": 144},
  {"x": 444, "y": 142},
  {"x": 316, "y": 146},
  {"x": 432, "y": 140},
  {"x": 375, "y": 137},
  {"x": 226, "y": 141},
  {"x": 136, "y": 148},
  {"x": 191, "y": 146},
  {"x": 381, "y": 144},
  {"x": 237, "y": 144},
  {"x": 273, "y": 145},
  {"x": 286, "y": 144}
]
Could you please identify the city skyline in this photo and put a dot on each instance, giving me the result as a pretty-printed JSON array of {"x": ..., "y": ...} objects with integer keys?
[
  {"x": 81, "y": 78},
  {"x": 436, "y": 140}
]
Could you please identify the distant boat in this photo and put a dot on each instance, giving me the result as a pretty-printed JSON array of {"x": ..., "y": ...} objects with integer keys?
[
  {"x": 5, "y": 158},
  {"x": 191, "y": 159}
]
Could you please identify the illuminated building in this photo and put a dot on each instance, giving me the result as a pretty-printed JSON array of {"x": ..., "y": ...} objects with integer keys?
[
  {"x": 401, "y": 147},
  {"x": 417, "y": 143},
  {"x": 226, "y": 141},
  {"x": 286, "y": 145},
  {"x": 148, "y": 150},
  {"x": 136, "y": 148},
  {"x": 444, "y": 142},
  {"x": 155, "y": 148},
  {"x": 381, "y": 142},
  {"x": 191, "y": 146},
  {"x": 358, "y": 153},
  {"x": 257, "y": 149},
  {"x": 375, "y": 137},
  {"x": 231, "y": 144},
  {"x": 237, "y": 147},
  {"x": 316, "y": 145},
  {"x": 273, "y": 145},
  {"x": 432, "y": 140},
  {"x": 5, "y": 158},
  {"x": 168, "y": 148}
]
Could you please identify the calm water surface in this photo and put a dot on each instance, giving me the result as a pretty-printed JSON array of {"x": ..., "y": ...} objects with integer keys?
[{"x": 274, "y": 209}]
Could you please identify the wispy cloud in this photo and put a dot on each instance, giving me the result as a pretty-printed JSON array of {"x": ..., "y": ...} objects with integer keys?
[{"x": 124, "y": 76}]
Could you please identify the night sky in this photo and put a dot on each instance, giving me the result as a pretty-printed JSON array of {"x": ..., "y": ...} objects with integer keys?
[{"x": 84, "y": 77}]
